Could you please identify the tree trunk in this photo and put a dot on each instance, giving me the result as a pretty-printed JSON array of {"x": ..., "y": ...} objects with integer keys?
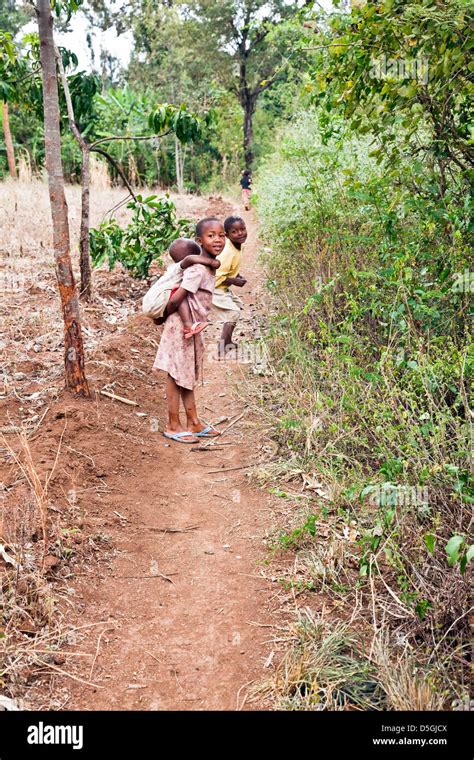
[
  {"x": 8, "y": 140},
  {"x": 84, "y": 258},
  {"x": 249, "y": 109},
  {"x": 73, "y": 345},
  {"x": 179, "y": 161}
]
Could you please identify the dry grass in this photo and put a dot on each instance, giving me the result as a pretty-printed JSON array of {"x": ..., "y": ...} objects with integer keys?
[
  {"x": 323, "y": 669},
  {"x": 407, "y": 687},
  {"x": 410, "y": 615},
  {"x": 328, "y": 665}
]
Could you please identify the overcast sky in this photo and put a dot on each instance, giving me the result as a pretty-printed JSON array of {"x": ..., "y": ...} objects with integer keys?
[
  {"x": 75, "y": 40},
  {"x": 118, "y": 46}
]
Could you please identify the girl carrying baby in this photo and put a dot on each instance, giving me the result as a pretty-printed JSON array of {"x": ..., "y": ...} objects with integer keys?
[{"x": 180, "y": 357}]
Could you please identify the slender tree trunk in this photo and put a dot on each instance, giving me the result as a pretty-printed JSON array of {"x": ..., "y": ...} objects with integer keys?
[
  {"x": 8, "y": 140},
  {"x": 84, "y": 257},
  {"x": 249, "y": 109},
  {"x": 178, "y": 154},
  {"x": 248, "y": 101},
  {"x": 73, "y": 345}
]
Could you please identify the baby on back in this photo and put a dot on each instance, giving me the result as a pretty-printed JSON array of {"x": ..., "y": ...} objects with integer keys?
[{"x": 185, "y": 253}]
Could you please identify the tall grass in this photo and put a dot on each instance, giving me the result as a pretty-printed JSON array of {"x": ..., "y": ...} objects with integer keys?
[{"x": 368, "y": 389}]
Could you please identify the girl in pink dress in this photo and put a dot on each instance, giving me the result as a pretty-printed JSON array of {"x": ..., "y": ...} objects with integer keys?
[{"x": 180, "y": 358}]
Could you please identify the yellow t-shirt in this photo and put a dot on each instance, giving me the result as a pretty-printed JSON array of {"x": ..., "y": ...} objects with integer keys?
[{"x": 230, "y": 259}]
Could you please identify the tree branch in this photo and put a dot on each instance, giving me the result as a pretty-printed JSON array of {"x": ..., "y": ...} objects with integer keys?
[
  {"x": 70, "y": 110},
  {"x": 128, "y": 137},
  {"x": 116, "y": 166}
]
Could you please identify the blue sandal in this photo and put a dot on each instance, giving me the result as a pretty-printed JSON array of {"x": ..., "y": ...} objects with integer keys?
[
  {"x": 206, "y": 433},
  {"x": 179, "y": 436}
]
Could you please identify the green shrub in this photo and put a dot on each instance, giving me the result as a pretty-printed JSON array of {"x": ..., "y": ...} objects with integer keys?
[
  {"x": 369, "y": 361},
  {"x": 153, "y": 228}
]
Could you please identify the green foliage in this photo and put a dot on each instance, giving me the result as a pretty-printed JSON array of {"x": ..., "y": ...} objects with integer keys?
[
  {"x": 65, "y": 8},
  {"x": 400, "y": 71},
  {"x": 458, "y": 551},
  {"x": 153, "y": 227},
  {"x": 369, "y": 356},
  {"x": 7, "y": 48},
  {"x": 186, "y": 126},
  {"x": 297, "y": 536}
]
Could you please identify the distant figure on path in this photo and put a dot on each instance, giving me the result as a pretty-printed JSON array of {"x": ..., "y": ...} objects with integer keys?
[{"x": 245, "y": 182}]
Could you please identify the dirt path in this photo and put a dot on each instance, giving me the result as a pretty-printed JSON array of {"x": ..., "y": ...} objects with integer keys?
[{"x": 194, "y": 639}]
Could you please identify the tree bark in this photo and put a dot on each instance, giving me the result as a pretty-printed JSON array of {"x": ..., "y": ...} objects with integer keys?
[
  {"x": 84, "y": 257},
  {"x": 8, "y": 140},
  {"x": 248, "y": 101},
  {"x": 179, "y": 161},
  {"x": 73, "y": 344},
  {"x": 249, "y": 110}
]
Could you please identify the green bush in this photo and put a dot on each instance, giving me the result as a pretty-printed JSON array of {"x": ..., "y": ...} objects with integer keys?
[
  {"x": 153, "y": 228},
  {"x": 369, "y": 349}
]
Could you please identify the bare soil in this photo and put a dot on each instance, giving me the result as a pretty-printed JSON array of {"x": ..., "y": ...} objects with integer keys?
[{"x": 155, "y": 566}]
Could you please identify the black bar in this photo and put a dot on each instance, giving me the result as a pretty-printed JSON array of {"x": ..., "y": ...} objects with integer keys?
[{"x": 306, "y": 734}]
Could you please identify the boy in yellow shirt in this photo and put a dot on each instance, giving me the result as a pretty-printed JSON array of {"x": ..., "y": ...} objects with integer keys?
[{"x": 225, "y": 303}]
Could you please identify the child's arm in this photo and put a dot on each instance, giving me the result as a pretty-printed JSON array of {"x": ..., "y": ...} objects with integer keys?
[
  {"x": 238, "y": 281},
  {"x": 175, "y": 301},
  {"x": 189, "y": 261}
]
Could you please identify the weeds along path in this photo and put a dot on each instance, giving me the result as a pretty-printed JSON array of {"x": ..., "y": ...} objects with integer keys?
[{"x": 175, "y": 613}]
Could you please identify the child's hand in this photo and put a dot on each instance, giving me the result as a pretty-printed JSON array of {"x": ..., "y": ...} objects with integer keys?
[
  {"x": 240, "y": 281},
  {"x": 208, "y": 261}
]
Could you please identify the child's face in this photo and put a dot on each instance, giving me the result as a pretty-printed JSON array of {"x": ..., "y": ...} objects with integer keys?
[
  {"x": 213, "y": 238},
  {"x": 238, "y": 232}
]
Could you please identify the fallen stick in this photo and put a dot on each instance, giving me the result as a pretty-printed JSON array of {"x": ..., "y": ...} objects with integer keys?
[
  {"x": 119, "y": 398},
  {"x": 219, "y": 420},
  {"x": 121, "y": 516},
  {"x": 205, "y": 448},
  {"x": 155, "y": 658},
  {"x": 223, "y": 432},
  {"x": 97, "y": 651},
  {"x": 174, "y": 530},
  {"x": 146, "y": 577},
  {"x": 228, "y": 469},
  {"x": 65, "y": 673}
]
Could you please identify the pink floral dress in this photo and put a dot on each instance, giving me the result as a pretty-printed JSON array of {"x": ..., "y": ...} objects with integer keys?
[{"x": 182, "y": 358}]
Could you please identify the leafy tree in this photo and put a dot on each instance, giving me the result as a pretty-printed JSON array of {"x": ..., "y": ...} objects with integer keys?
[
  {"x": 401, "y": 71},
  {"x": 8, "y": 74},
  {"x": 240, "y": 45},
  {"x": 12, "y": 18},
  {"x": 153, "y": 227}
]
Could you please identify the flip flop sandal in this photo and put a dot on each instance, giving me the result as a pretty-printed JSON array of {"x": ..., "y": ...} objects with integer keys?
[
  {"x": 196, "y": 328},
  {"x": 179, "y": 436},
  {"x": 206, "y": 433}
]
